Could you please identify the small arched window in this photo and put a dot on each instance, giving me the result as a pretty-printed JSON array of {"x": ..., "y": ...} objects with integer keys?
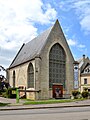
[
  {"x": 30, "y": 76},
  {"x": 14, "y": 78}
]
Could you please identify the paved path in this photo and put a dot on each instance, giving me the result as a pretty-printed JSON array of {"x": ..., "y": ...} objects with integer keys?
[
  {"x": 11, "y": 101},
  {"x": 20, "y": 106}
]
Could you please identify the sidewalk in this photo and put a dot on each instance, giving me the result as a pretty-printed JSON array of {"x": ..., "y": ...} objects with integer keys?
[
  {"x": 11, "y": 101},
  {"x": 20, "y": 106}
]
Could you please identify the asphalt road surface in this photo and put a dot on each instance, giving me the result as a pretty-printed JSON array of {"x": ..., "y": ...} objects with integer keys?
[{"x": 73, "y": 113}]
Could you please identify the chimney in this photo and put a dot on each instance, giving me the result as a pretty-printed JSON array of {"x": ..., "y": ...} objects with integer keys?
[{"x": 83, "y": 58}]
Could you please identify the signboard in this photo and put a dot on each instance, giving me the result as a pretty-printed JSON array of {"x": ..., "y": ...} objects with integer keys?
[{"x": 76, "y": 82}]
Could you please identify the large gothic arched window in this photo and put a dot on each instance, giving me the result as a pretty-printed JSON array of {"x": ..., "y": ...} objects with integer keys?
[
  {"x": 30, "y": 76},
  {"x": 57, "y": 70}
]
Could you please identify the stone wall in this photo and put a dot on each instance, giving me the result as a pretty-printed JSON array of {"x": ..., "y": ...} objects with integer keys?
[
  {"x": 55, "y": 37},
  {"x": 82, "y": 85}
]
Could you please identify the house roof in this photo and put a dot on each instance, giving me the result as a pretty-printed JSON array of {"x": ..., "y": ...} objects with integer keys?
[
  {"x": 83, "y": 63},
  {"x": 31, "y": 49}
]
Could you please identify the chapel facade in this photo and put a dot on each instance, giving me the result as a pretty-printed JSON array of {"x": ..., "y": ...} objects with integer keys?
[{"x": 44, "y": 66}]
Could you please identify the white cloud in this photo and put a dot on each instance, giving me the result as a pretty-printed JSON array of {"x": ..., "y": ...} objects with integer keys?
[
  {"x": 85, "y": 24},
  {"x": 77, "y": 45},
  {"x": 82, "y": 10},
  {"x": 17, "y": 18},
  {"x": 81, "y": 46},
  {"x": 72, "y": 42},
  {"x": 17, "y": 22}
]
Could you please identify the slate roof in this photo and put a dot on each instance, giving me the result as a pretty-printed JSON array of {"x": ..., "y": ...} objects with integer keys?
[
  {"x": 31, "y": 49},
  {"x": 83, "y": 64}
]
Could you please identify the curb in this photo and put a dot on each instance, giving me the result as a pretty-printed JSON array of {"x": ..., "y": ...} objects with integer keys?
[{"x": 26, "y": 108}]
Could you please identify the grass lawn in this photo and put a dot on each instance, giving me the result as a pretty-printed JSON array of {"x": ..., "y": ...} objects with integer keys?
[
  {"x": 51, "y": 101},
  {"x": 3, "y": 104}
]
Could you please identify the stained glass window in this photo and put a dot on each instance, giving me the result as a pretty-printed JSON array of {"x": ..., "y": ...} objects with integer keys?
[{"x": 57, "y": 70}]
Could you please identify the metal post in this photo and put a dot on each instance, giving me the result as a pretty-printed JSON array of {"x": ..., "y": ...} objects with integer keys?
[
  {"x": 17, "y": 95},
  {"x": 25, "y": 92}
]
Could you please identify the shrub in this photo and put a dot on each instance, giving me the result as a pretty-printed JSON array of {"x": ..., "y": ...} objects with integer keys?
[
  {"x": 75, "y": 93},
  {"x": 85, "y": 89},
  {"x": 10, "y": 93},
  {"x": 85, "y": 94},
  {"x": 2, "y": 92}
]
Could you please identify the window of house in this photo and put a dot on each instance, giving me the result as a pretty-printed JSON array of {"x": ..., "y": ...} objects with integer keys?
[
  {"x": 57, "y": 70},
  {"x": 30, "y": 76},
  {"x": 89, "y": 90},
  {"x": 85, "y": 81}
]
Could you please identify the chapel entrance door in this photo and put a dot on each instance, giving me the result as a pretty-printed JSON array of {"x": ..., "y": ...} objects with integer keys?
[{"x": 57, "y": 90}]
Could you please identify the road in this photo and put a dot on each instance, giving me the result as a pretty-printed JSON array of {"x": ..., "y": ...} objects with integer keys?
[{"x": 73, "y": 113}]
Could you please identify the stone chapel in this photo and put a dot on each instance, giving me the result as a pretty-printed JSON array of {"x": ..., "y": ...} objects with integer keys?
[{"x": 44, "y": 66}]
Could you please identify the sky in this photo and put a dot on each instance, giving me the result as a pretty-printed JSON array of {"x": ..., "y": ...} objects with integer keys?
[{"x": 23, "y": 20}]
